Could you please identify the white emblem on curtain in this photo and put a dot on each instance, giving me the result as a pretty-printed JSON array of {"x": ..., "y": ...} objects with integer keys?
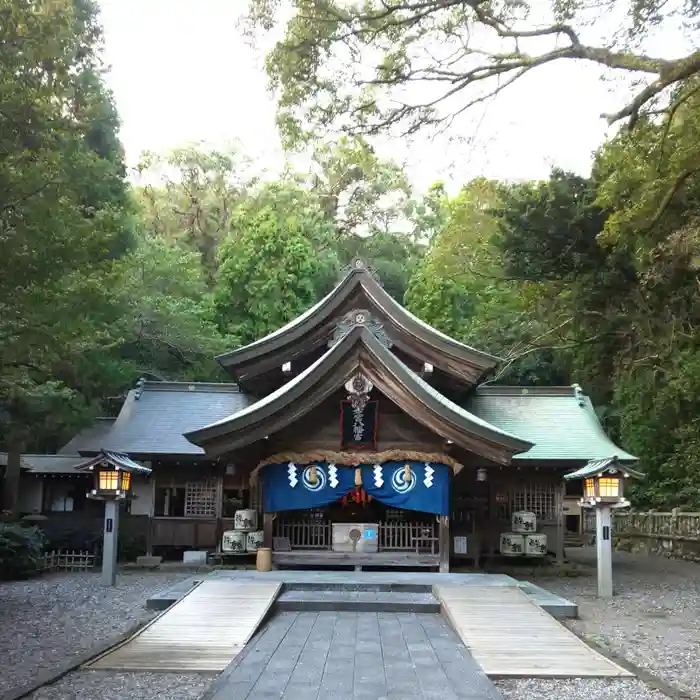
[
  {"x": 332, "y": 475},
  {"x": 378, "y": 478},
  {"x": 429, "y": 471},
  {"x": 292, "y": 474},
  {"x": 311, "y": 485},
  {"x": 399, "y": 482}
]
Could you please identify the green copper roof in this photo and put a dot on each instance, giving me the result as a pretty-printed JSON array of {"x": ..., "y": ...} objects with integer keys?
[
  {"x": 560, "y": 421},
  {"x": 603, "y": 466}
]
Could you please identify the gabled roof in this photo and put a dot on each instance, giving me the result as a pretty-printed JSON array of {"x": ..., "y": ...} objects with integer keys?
[
  {"x": 116, "y": 460},
  {"x": 313, "y": 330},
  {"x": 560, "y": 421},
  {"x": 155, "y": 416},
  {"x": 359, "y": 349},
  {"x": 603, "y": 466}
]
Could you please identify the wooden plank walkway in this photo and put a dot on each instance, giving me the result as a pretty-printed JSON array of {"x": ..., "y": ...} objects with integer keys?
[
  {"x": 510, "y": 636},
  {"x": 203, "y": 632}
]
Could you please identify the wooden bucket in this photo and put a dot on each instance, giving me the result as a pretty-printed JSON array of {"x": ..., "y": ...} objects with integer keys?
[{"x": 263, "y": 561}]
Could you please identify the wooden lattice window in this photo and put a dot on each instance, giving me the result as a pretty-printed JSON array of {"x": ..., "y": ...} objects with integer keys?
[
  {"x": 539, "y": 499},
  {"x": 200, "y": 499}
]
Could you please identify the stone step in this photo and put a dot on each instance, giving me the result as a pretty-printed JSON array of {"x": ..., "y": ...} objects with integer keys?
[
  {"x": 358, "y": 587},
  {"x": 356, "y": 601}
]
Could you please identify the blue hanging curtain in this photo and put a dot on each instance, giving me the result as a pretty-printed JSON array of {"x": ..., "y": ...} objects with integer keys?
[
  {"x": 423, "y": 487},
  {"x": 292, "y": 486}
]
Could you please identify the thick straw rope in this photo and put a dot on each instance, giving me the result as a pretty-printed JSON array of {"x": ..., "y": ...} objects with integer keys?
[{"x": 353, "y": 459}]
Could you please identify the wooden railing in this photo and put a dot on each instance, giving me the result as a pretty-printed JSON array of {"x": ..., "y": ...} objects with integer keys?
[
  {"x": 391, "y": 536},
  {"x": 306, "y": 534},
  {"x": 407, "y": 536}
]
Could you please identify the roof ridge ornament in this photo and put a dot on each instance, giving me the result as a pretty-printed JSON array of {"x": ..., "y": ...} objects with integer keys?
[
  {"x": 360, "y": 317},
  {"x": 359, "y": 265},
  {"x": 578, "y": 394}
]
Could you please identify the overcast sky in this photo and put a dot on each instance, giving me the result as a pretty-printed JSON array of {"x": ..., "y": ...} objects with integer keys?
[{"x": 181, "y": 72}]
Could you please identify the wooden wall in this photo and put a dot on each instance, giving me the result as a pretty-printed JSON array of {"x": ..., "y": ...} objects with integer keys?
[{"x": 320, "y": 430}]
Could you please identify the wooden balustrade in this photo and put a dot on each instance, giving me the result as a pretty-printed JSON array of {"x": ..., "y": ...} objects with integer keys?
[
  {"x": 407, "y": 536},
  {"x": 392, "y": 536},
  {"x": 306, "y": 534}
]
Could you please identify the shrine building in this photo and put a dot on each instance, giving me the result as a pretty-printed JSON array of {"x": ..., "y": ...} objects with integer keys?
[{"x": 359, "y": 435}]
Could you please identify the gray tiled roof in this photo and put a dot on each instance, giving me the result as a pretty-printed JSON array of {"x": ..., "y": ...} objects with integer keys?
[
  {"x": 88, "y": 436},
  {"x": 52, "y": 464},
  {"x": 154, "y": 417}
]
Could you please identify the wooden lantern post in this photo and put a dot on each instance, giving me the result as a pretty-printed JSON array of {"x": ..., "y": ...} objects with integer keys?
[
  {"x": 113, "y": 483},
  {"x": 603, "y": 489}
]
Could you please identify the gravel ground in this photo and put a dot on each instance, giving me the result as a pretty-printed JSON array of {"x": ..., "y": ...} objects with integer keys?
[
  {"x": 45, "y": 621},
  {"x": 577, "y": 689},
  {"x": 95, "y": 685},
  {"x": 653, "y": 620}
]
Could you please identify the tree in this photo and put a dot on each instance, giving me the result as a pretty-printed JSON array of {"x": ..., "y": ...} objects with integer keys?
[
  {"x": 372, "y": 65},
  {"x": 64, "y": 216},
  {"x": 276, "y": 263},
  {"x": 191, "y": 197}
]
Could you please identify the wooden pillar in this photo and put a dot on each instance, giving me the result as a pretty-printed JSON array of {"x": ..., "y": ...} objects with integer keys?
[
  {"x": 219, "y": 530},
  {"x": 151, "y": 514},
  {"x": 444, "y": 541},
  {"x": 268, "y": 519},
  {"x": 559, "y": 503}
]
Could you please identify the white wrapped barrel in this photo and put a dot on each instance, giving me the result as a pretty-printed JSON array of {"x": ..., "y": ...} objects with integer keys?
[
  {"x": 245, "y": 520},
  {"x": 255, "y": 540},
  {"x": 536, "y": 545},
  {"x": 522, "y": 521},
  {"x": 512, "y": 544},
  {"x": 233, "y": 541}
]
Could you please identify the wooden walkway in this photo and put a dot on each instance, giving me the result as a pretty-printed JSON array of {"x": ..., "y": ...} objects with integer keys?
[
  {"x": 510, "y": 636},
  {"x": 203, "y": 632}
]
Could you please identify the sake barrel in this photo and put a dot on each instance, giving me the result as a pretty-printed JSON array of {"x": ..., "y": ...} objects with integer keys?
[
  {"x": 512, "y": 544},
  {"x": 236, "y": 541},
  {"x": 522, "y": 521},
  {"x": 255, "y": 540},
  {"x": 233, "y": 541},
  {"x": 536, "y": 545},
  {"x": 245, "y": 520}
]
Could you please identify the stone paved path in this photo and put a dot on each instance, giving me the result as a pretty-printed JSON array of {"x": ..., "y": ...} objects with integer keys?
[{"x": 354, "y": 656}]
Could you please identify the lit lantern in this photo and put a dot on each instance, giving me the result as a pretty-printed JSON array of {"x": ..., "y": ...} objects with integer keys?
[
  {"x": 603, "y": 482},
  {"x": 481, "y": 474},
  {"x": 112, "y": 475}
]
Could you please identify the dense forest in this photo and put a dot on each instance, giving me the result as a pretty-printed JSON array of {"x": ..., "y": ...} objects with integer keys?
[{"x": 108, "y": 276}]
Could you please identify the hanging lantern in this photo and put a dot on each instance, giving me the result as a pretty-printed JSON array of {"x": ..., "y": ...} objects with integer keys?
[{"x": 481, "y": 474}]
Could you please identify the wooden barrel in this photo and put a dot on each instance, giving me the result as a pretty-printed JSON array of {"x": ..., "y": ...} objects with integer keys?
[{"x": 263, "y": 561}]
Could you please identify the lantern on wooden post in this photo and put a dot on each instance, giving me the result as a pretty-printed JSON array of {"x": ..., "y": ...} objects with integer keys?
[
  {"x": 113, "y": 482},
  {"x": 603, "y": 489}
]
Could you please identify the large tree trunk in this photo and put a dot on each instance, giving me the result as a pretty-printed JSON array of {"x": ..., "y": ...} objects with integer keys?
[{"x": 11, "y": 486}]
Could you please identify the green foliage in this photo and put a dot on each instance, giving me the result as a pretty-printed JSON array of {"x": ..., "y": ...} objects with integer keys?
[
  {"x": 21, "y": 549},
  {"x": 372, "y": 66},
  {"x": 275, "y": 265}
]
